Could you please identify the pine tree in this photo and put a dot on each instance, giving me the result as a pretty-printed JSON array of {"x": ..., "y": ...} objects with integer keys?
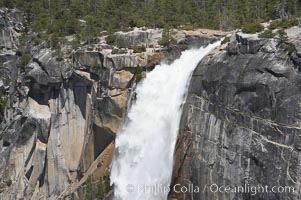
[
  {"x": 89, "y": 189},
  {"x": 100, "y": 195}
]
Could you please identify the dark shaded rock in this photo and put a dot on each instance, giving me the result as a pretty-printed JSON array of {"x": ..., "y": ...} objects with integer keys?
[
  {"x": 233, "y": 48},
  {"x": 102, "y": 138},
  {"x": 254, "y": 46},
  {"x": 9, "y": 71},
  {"x": 37, "y": 74},
  {"x": 54, "y": 68},
  {"x": 296, "y": 60},
  {"x": 17, "y": 16},
  {"x": 241, "y": 43},
  {"x": 88, "y": 59},
  {"x": 196, "y": 41}
]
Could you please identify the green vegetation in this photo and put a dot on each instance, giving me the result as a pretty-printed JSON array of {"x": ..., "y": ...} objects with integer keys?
[
  {"x": 117, "y": 41},
  {"x": 54, "y": 40},
  {"x": 166, "y": 37},
  {"x": 138, "y": 49},
  {"x": 290, "y": 48},
  {"x": 76, "y": 42},
  {"x": 90, "y": 30},
  {"x": 98, "y": 189},
  {"x": 216, "y": 113},
  {"x": 103, "y": 187},
  {"x": 89, "y": 189},
  {"x": 56, "y": 53},
  {"x": 226, "y": 40},
  {"x": 24, "y": 60},
  {"x": 96, "y": 65},
  {"x": 274, "y": 24},
  {"x": 89, "y": 18},
  {"x": 267, "y": 34},
  {"x": 139, "y": 74},
  {"x": 115, "y": 51},
  {"x": 39, "y": 38},
  {"x": 120, "y": 42},
  {"x": 252, "y": 28},
  {"x": 110, "y": 39},
  {"x": 100, "y": 194},
  {"x": 8, "y": 182},
  {"x": 232, "y": 122},
  {"x": 187, "y": 27},
  {"x": 283, "y": 24},
  {"x": 282, "y": 35},
  {"x": 3, "y": 103},
  {"x": 119, "y": 51}
]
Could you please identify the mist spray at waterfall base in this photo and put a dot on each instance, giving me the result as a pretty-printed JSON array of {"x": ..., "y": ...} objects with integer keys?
[{"x": 143, "y": 163}]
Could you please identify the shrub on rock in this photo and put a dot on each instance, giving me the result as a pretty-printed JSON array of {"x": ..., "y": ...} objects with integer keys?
[
  {"x": 266, "y": 34},
  {"x": 252, "y": 28},
  {"x": 138, "y": 49}
]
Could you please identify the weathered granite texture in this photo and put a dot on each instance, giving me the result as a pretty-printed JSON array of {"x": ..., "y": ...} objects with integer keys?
[
  {"x": 241, "y": 122},
  {"x": 11, "y": 24}
]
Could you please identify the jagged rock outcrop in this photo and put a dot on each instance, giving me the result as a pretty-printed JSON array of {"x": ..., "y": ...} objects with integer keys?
[
  {"x": 59, "y": 122},
  {"x": 140, "y": 37},
  {"x": 241, "y": 122},
  {"x": 11, "y": 22}
]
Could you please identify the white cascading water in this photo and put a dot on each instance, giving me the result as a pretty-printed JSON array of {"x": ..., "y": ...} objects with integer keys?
[{"x": 143, "y": 163}]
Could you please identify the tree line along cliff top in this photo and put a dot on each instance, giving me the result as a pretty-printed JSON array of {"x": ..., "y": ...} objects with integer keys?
[{"x": 91, "y": 17}]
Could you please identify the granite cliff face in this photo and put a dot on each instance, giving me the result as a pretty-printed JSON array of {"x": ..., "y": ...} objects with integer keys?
[
  {"x": 62, "y": 113},
  {"x": 60, "y": 120},
  {"x": 63, "y": 108},
  {"x": 241, "y": 121}
]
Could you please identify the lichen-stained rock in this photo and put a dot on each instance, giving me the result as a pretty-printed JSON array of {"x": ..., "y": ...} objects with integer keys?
[
  {"x": 113, "y": 110},
  {"x": 37, "y": 74},
  {"x": 140, "y": 37},
  {"x": 121, "y": 79},
  {"x": 241, "y": 124},
  {"x": 88, "y": 58},
  {"x": 233, "y": 47},
  {"x": 54, "y": 68},
  {"x": 247, "y": 44},
  {"x": 294, "y": 35},
  {"x": 67, "y": 135},
  {"x": 195, "y": 38},
  {"x": 11, "y": 25},
  {"x": 122, "y": 61},
  {"x": 9, "y": 70},
  {"x": 25, "y": 145}
]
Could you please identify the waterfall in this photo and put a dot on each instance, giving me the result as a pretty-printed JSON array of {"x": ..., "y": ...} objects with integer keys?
[{"x": 143, "y": 162}]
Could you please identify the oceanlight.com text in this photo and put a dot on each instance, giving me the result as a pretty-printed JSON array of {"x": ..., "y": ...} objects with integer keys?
[{"x": 158, "y": 189}]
